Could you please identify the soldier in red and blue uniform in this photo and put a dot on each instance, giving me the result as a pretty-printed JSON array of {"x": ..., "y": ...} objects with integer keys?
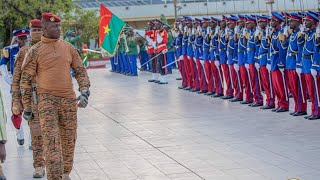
[
  {"x": 190, "y": 53},
  {"x": 177, "y": 43},
  {"x": 206, "y": 56},
  {"x": 294, "y": 53},
  {"x": 188, "y": 24},
  {"x": 215, "y": 58},
  {"x": 198, "y": 52},
  {"x": 233, "y": 59},
  {"x": 253, "y": 44},
  {"x": 223, "y": 44},
  {"x": 263, "y": 55},
  {"x": 276, "y": 64},
  {"x": 242, "y": 59},
  {"x": 309, "y": 65}
]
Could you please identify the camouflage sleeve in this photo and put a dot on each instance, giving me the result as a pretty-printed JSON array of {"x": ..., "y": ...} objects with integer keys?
[
  {"x": 16, "y": 96},
  {"x": 80, "y": 72},
  {"x": 29, "y": 68}
]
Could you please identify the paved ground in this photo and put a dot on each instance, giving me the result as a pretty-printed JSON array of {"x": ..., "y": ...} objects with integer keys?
[{"x": 137, "y": 130}]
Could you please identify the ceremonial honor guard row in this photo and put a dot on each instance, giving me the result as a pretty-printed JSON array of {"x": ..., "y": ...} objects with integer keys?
[{"x": 241, "y": 56}]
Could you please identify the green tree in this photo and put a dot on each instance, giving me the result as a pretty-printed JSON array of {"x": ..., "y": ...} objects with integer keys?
[{"x": 17, "y": 13}]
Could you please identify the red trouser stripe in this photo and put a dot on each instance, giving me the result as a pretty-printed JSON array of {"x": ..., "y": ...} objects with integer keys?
[
  {"x": 295, "y": 89},
  {"x": 245, "y": 83},
  {"x": 226, "y": 76},
  {"x": 257, "y": 97},
  {"x": 216, "y": 77},
  {"x": 278, "y": 86},
  {"x": 265, "y": 82},
  {"x": 235, "y": 82}
]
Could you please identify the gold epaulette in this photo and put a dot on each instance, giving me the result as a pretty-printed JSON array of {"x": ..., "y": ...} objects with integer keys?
[
  {"x": 5, "y": 53},
  {"x": 281, "y": 37},
  {"x": 247, "y": 35}
]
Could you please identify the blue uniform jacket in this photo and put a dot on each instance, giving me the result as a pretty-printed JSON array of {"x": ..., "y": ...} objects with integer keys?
[
  {"x": 184, "y": 44},
  {"x": 308, "y": 60},
  {"x": 198, "y": 46},
  {"x": 252, "y": 47},
  {"x": 191, "y": 39},
  {"x": 178, "y": 44},
  {"x": 214, "y": 51},
  {"x": 232, "y": 49},
  {"x": 242, "y": 49},
  {"x": 222, "y": 47},
  {"x": 274, "y": 50},
  {"x": 263, "y": 50},
  {"x": 206, "y": 47},
  {"x": 12, "y": 51},
  {"x": 294, "y": 51}
]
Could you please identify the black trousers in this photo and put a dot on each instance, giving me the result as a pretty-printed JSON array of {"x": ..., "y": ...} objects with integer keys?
[{"x": 162, "y": 61}]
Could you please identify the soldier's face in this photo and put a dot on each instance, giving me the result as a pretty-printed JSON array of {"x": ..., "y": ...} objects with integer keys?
[
  {"x": 204, "y": 25},
  {"x": 52, "y": 30},
  {"x": 189, "y": 25},
  {"x": 22, "y": 40},
  {"x": 213, "y": 24},
  {"x": 241, "y": 24},
  {"x": 262, "y": 24},
  {"x": 309, "y": 23},
  {"x": 274, "y": 23},
  {"x": 250, "y": 25},
  {"x": 294, "y": 24},
  {"x": 223, "y": 24},
  {"x": 232, "y": 25}
]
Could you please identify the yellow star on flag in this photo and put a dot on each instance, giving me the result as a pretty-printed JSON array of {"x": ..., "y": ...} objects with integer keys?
[{"x": 106, "y": 29}]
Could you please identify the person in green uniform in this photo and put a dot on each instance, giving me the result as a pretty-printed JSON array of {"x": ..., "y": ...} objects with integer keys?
[
  {"x": 3, "y": 136},
  {"x": 132, "y": 53},
  {"x": 122, "y": 56},
  {"x": 143, "y": 55},
  {"x": 170, "y": 53}
]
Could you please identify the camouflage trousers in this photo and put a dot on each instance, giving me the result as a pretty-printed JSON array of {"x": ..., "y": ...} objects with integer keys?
[
  {"x": 58, "y": 119},
  {"x": 36, "y": 139}
]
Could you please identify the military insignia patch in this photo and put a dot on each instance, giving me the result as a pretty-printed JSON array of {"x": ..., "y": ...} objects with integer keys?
[{"x": 52, "y": 19}]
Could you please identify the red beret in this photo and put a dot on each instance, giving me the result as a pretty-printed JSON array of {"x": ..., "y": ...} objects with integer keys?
[
  {"x": 50, "y": 17},
  {"x": 36, "y": 23}
]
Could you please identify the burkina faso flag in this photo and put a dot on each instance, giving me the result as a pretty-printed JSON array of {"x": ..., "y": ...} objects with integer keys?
[{"x": 111, "y": 27}]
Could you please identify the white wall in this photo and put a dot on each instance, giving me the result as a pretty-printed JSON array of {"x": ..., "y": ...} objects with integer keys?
[{"x": 136, "y": 13}]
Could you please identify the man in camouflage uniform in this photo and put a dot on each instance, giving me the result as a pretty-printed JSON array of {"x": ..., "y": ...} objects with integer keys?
[
  {"x": 34, "y": 124},
  {"x": 49, "y": 62}
]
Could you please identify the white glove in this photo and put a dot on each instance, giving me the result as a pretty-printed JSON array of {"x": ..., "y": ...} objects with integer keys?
[
  {"x": 269, "y": 67},
  {"x": 318, "y": 31},
  {"x": 8, "y": 79},
  {"x": 302, "y": 28},
  {"x": 236, "y": 67},
  {"x": 236, "y": 29},
  {"x": 314, "y": 72},
  {"x": 154, "y": 44},
  {"x": 217, "y": 63},
  {"x": 257, "y": 65},
  {"x": 164, "y": 51},
  {"x": 208, "y": 30},
  {"x": 159, "y": 38},
  {"x": 285, "y": 30},
  {"x": 193, "y": 31},
  {"x": 247, "y": 66},
  {"x": 180, "y": 26},
  {"x": 256, "y": 33},
  {"x": 298, "y": 70},
  {"x": 185, "y": 29}
]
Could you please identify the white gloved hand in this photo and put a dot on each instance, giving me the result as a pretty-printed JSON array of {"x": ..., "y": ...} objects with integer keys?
[
  {"x": 269, "y": 67},
  {"x": 8, "y": 79},
  {"x": 314, "y": 72},
  {"x": 257, "y": 32},
  {"x": 164, "y": 51},
  {"x": 217, "y": 63},
  {"x": 257, "y": 65},
  {"x": 302, "y": 28},
  {"x": 298, "y": 70},
  {"x": 180, "y": 26},
  {"x": 246, "y": 65},
  {"x": 193, "y": 31},
  {"x": 236, "y": 67},
  {"x": 318, "y": 31},
  {"x": 185, "y": 29}
]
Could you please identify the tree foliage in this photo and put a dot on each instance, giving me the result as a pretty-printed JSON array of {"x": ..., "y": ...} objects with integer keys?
[{"x": 17, "y": 14}]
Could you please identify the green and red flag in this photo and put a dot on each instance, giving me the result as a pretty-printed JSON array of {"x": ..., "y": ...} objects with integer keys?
[{"x": 111, "y": 27}]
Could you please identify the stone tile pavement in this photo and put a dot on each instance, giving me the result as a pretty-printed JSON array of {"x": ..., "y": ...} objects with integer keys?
[{"x": 135, "y": 130}]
